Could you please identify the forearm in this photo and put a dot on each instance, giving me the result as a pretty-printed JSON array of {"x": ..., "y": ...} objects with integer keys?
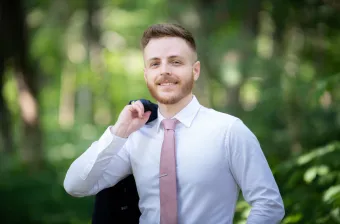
[{"x": 89, "y": 173}]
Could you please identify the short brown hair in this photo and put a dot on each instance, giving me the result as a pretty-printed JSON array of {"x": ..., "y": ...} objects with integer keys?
[{"x": 167, "y": 30}]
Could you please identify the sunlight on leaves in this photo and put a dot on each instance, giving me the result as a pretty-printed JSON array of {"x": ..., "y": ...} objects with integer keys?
[
  {"x": 102, "y": 116},
  {"x": 35, "y": 18},
  {"x": 250, "y": 95},
  {"x": 307, "y": 72},
  {"x": 45, "y": 40},
  {"x": 88, "y": 131},
  {"x": 315, "y": 153},
  {"x": 265, "y": 42},
  {"x": 113, "y": 41},
  {"x": 332, "y": 193},
  {"x": 292, "y": 218},
  {"x": 335, "y": 213},
  {"x": 68, "y": 151},
  {"x": 219, "y": 95},
  {"x": 133, "y": 64},
  {"x": 113, "y": 63},
  {"x": 10, "y": 93},
  {"x": 311, "y": 173},
  {"x": 191, "y": 18},
  {"x": 76, "y": 53},
  {"x": 323, "y": 170},
  {"x": 243, "y": 208},
  {"x": 231, "y": 74},
  {"x": 113, "y": 18},
  {"x": 58, "y": 153},
  {"x": 85, "y": 79}
]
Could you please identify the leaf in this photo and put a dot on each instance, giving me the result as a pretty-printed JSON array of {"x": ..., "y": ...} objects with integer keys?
[
  {"x": 316, "y": 153},
  {"x": 310, "y": 174},
  {"x": 323, "y": 170},
  {"x": 293, "y": 218},
  {"x": 331, "y": 193}
]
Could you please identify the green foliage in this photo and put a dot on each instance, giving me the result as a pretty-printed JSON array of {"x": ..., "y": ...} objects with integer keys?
[
  {"x": 274, "y": 64},
  {"x": 310, "y": 184},
  {"x": 39, "y": 197}
]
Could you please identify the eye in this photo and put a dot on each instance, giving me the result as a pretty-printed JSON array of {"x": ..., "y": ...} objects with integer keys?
[
  {"x": 176, "y": 62},
  {"x": 153, "y": 64}
]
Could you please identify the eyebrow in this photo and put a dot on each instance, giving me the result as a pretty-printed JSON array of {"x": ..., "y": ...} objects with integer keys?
[{"x": 170, "y": 57}]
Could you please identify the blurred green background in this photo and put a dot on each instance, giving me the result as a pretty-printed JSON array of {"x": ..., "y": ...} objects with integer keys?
[{"x": 68, "y": 67}]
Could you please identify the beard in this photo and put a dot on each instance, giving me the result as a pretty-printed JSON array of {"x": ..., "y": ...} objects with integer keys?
[{"x": 185, "y": 88}]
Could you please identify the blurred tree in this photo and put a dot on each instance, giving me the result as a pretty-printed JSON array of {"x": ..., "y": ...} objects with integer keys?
[
  {"x": 15, "y": 51},
  {"x": 274, "y": 64}
]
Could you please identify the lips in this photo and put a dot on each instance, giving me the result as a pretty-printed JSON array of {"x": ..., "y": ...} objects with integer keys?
[
  {"x": 167, "y": 84},
  {"x": 167, "y": 81}
]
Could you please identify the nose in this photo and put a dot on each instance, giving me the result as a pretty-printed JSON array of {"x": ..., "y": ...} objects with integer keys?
[{"x": 165, "y": 69}]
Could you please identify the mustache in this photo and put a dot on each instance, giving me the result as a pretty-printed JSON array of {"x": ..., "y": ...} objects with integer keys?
[{"x": 166, "y": 78}]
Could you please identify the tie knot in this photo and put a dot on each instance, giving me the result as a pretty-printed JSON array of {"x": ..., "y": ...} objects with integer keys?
[{"x": 169, "y": 124}]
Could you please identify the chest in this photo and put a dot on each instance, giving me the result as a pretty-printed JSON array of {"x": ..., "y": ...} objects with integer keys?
[{"x": 200, "y": 157}]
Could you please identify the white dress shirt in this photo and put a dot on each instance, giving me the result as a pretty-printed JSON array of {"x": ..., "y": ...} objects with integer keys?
[{"x": 217, "y": 155}]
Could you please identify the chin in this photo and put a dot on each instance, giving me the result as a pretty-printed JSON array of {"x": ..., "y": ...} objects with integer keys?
[{"x": 169, "y": 99}]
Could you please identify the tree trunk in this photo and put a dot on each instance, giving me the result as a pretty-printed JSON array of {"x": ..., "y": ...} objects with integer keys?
[
  {"x": 31, "y": 140},
  {"x": 67, "y": 98},
  {"x": 248, "y": 32},
  {"x": 214, "y": 15},
  {"x": 85, "y": 95},
  {"x": 28, "y": 84},
  {"x": 14, "y": 40},
  {"x": 6, "y": 140}
]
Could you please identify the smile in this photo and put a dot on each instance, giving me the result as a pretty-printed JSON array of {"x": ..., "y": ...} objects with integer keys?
[{"x": 167, "y": 84}]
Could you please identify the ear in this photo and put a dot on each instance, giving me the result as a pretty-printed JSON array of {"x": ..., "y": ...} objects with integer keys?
[{"x": 196, "y": 69}]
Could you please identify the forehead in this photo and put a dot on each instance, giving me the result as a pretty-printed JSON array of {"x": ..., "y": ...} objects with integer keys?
[{"x": 167, "y": 46}]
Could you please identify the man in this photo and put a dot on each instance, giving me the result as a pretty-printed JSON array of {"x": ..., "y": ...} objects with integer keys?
[{"x": 191, "y": 161}]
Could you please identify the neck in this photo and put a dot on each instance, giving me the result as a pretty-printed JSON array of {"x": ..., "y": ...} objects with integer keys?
[{"x": 170, "y": 110}]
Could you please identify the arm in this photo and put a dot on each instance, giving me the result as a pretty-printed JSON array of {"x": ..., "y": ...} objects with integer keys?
[
  {"x": 102, "y": 165},
  {"x": 107, "y": 160},
  {"x": 253, "y": 174}
]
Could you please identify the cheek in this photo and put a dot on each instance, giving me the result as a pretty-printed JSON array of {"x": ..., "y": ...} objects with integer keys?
[
  {"x": 185, "y": 73},
  {"x": 151, "y": 77}
]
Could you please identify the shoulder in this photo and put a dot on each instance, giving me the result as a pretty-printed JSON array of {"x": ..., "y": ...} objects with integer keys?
[
  {"x": 217, "y": 118},
  {"x": 233, "y": 126}
]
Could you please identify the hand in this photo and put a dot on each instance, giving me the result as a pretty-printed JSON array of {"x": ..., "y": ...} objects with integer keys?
[{"x": 130, "y": 119}]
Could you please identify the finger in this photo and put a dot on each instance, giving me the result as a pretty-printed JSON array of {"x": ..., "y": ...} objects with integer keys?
[
  {"x": 141, "y": 106},
  {"x": 133, "y": 108},
  {"x": 130, "y": 105},
  {"x": 146, "y": 115},
  {"x": 137, "y": 109}
]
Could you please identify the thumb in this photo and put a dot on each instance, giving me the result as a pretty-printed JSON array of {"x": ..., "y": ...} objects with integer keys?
[{"x": 146, "y": 115}]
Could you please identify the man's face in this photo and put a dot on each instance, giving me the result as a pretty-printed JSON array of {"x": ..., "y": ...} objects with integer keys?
[{"x": 170, "y": 69}]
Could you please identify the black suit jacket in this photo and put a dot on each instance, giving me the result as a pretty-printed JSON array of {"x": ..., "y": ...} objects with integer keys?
[{"x": 119, "y": 204}]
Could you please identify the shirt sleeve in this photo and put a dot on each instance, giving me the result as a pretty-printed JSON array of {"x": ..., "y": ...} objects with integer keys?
[
  {"x": 102, "y": 165},
  {"x": 254, "y": 176}
]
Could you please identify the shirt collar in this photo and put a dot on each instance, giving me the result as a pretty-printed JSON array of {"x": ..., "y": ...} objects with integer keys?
[{"x": 185, "y": 116}]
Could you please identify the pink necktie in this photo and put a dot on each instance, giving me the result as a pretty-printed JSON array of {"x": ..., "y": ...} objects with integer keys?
[{"x": 167, "y": 175}]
